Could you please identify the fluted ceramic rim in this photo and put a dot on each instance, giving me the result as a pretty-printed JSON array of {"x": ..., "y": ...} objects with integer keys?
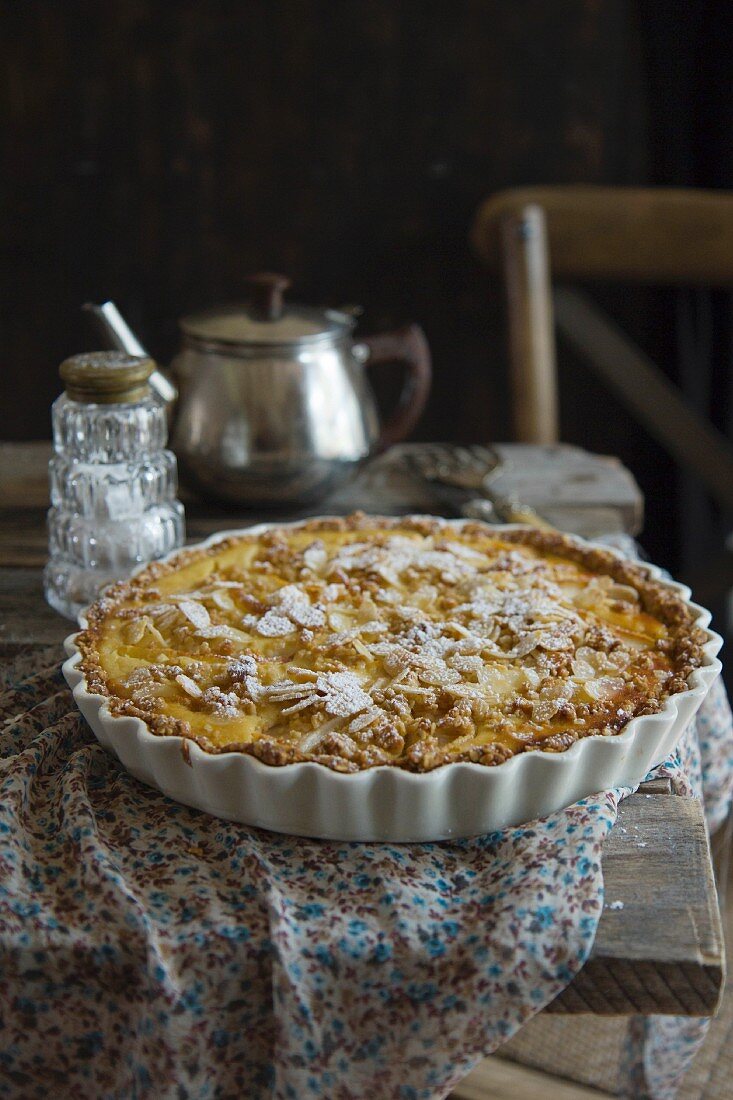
[{"x": 386, "y": 803}]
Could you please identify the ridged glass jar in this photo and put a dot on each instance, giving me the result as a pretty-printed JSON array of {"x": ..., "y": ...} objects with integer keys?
[{"x": 113, "y": 484}]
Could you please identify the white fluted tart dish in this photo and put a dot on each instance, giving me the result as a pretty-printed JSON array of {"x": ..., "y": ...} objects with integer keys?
[{"x": 408, "y": 679}]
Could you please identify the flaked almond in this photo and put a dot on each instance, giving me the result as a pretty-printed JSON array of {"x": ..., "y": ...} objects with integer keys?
[{"x": 189, "y": 686}]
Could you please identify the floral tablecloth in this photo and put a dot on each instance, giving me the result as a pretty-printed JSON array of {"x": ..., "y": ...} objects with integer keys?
[{"x": 149, "y": 950}]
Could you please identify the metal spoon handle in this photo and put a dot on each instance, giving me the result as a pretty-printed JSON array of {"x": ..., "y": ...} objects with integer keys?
[{"x": 115, "y": 330}]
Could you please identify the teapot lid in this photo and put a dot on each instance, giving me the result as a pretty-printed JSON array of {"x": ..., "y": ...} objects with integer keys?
[{"x": 266, "y": 319}]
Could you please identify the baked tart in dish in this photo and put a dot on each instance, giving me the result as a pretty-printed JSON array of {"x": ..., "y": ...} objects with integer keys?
[
  {"x": 421, "y": 679},
  {"x": 416, "y": 643}
]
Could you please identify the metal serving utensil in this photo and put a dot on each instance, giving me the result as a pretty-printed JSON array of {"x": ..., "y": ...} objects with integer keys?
[{"x": 458, "y": 473}]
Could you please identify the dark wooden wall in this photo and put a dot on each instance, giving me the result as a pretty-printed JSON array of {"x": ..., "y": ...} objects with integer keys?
[{"x": 156, "y": 152}]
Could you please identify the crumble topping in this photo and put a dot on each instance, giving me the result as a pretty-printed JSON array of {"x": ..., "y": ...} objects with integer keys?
[{"x": 410, "y": 642}]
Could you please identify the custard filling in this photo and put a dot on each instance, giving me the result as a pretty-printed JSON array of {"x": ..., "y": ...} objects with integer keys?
[{"x": 385, "y": 642}]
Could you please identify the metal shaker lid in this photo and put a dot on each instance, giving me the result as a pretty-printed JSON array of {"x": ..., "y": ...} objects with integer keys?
[
  {"x": 106, "y": 377},
  {"x": 265, "y": 318}
]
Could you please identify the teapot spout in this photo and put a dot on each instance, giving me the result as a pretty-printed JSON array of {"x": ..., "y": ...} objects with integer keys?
[{"x": 117, "y": 334}]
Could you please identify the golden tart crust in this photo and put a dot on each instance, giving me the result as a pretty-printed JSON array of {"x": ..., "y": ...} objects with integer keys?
[{"x": 362, "y": 641}]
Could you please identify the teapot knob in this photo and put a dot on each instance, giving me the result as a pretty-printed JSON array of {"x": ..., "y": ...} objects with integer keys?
[{"x": 266, "y": 295}]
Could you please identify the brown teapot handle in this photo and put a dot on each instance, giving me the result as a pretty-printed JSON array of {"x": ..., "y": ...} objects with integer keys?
[{"x": 406, "y": 346}]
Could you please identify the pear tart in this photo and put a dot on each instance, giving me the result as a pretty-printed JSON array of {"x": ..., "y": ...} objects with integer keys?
[{"x": 367, "y": 641}]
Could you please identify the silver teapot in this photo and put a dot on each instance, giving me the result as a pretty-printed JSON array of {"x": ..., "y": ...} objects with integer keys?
[{"x": 273, "y": 406}]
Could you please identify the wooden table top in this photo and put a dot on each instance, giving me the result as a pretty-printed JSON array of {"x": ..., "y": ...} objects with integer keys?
[{"x": 660, "y": 948}]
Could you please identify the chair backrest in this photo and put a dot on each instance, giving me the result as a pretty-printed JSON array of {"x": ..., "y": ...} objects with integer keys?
[
  {"x": 658, "y": 235},
  {"x": 612, "y": 233}
]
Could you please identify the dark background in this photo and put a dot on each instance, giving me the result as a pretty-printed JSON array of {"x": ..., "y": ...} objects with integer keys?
[{"x": 157, "y": 152}]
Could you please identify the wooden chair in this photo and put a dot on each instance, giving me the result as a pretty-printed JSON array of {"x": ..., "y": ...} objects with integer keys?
[{"x": 614, "y": 234}]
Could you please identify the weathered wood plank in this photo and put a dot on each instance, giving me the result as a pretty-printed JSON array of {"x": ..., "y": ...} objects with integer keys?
[
  {"x": 574, "y": 489},
  {"x": 497, "y": 1079},
  {"x": 656, "y": 786},
  {"x": 25, "y": 617},
  {"x": 23, "y": 538},
  {"x": 659, "y": 945},
  {"x": 24, "y": 474}
]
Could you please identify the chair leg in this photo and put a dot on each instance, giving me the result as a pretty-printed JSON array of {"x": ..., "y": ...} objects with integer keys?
[{"x": 530, "y": 322}]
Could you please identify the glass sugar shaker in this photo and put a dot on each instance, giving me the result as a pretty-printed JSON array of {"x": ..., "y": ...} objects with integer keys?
[{"x": 113, "y": 483}]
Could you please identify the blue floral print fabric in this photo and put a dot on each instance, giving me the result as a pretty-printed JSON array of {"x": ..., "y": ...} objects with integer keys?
[{"x": 149, "y": 950}]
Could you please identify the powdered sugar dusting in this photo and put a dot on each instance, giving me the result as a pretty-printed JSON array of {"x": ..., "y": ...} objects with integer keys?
[
  {"x": 292, "y": 602},
  {"x": 315, "y": 556},
  {"x": 342, "y": 694},
  {"x": 223, "y": 704},
  {"x": 241, "y": 668},
  {"x": 338, "y": 693},
  {"x": 274, "y": 625},
  {"x": 394, "y": 642},
  {"x": 396, "y": 555},
  {"x": 290, "y": 608}
]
